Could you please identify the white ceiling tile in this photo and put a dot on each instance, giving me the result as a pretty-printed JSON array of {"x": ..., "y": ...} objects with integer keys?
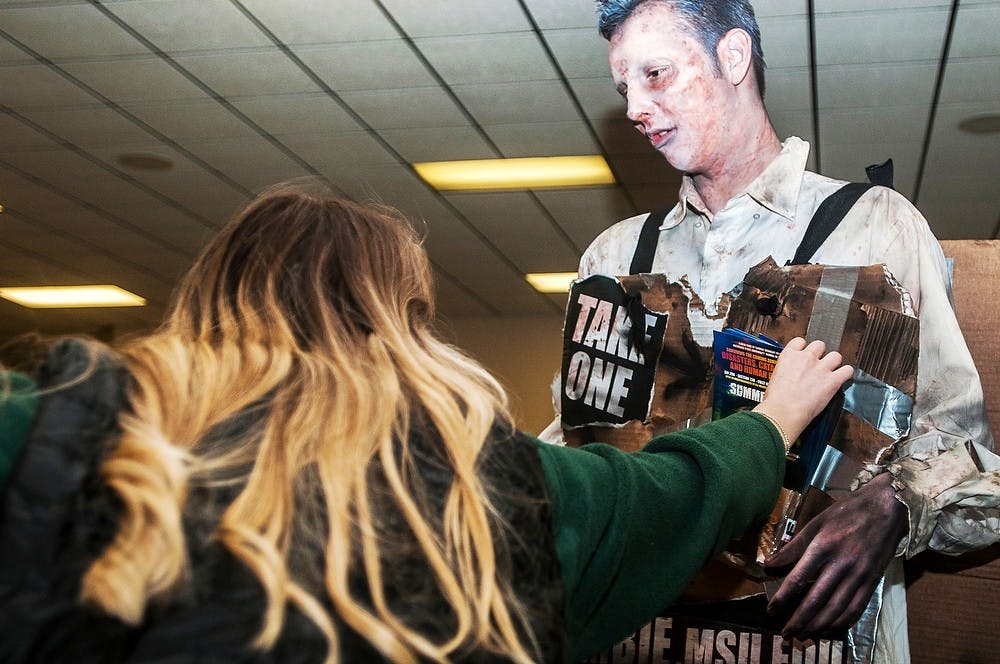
[
  {"x": 174, "y": 226},
  {"x": 865, "y": 6},
  {"x": 186, "y": 183},
  {"x": 16, "y": 135},
  {"x": 84, "y": 126},
  {"x": 349, "y": 148},
  {"x": 584, "y": 213},
  {"x": 519, "y": 227},
  {"x": 975, "y": 33},
  {"x": 847, "y": 159},
  {"x": 305, "y": 113},
  {"x": 975, "y": 80},
  {"x": 190, "y": 119},
  {"x": 785, "y": 40},
  {"x": 446, "y": 17},
  {"x": 563, "y": 14},
  {"x": 787, "y": 89},
  {"x": 598, "y": 97},
  {"x": 767, "y": 8},
  {"x": 64, "y": 169},
  {"x": 960, "y": 216},
  {"x": 543, "y": 139},
  {"x": 455, "y": 301},
  {"x": 651, "y": 197},
  {"x": 619, "y": 136},
  {"x": 368, "y": 65},
  {"x": 951, "y": 114},
  {"x": 438, "y": 143},
  {"x": 867, "y": 86},
  {"x": 495, "y": 58},
  {"x": 11, "y": 54},
  {"x": 124, "y": 242},
  {"x": 213, "y": 202},
  {"x": 248, "y": 73},
  {"x": 650, "y": 168},
  {"x": 135, "y": 79},
  {"x": 323, "y": 21},
  {"x": 479, "y": 270},
  {"x": 792, "y": 123},
  {"x": 187, "y": 25},
  {"x": 255, "y": 163},
  {"x": 69, "y": 31},
  {"x": 581, "y": 53},
  {"x": 19, "y": 268},
  {"x": 26, "y": 86},
  {"x": 405, "y": 107},
  {"x": 954, "y": 151},
  {"x": 872, "y": 125},
  {"x": 537, "y": 101},
  {"x": 392, "y": 184},
  {"x": 121, "y": 204},
  {"x": 880, "y": 37},
  {"x": 92, "y": 249}
]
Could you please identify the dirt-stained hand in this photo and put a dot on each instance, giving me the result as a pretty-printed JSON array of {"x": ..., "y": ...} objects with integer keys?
[{"x": 836, "y": 560}]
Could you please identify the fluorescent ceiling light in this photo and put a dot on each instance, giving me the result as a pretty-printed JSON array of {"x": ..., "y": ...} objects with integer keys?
[
  {"x": 524, "y": 173},
  {"x": 66, "y": 297},
  {"x": 551, "y": 282}
]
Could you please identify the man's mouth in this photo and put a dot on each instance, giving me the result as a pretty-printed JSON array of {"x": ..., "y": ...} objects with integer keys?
[{"x": 660, "y": 136}]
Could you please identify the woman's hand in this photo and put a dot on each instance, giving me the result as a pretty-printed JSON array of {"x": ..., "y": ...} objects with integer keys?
[{"x": 802, "y": 384}]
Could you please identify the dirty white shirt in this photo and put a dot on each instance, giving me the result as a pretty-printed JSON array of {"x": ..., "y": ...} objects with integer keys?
[{"x": 953, "y": 507}]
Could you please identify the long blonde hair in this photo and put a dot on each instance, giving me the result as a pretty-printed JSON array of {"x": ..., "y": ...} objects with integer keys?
[{"x": 316, "y": 313}]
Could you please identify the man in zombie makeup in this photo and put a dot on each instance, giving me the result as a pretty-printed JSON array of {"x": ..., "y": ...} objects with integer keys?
[{"x": 692, "y": 76}]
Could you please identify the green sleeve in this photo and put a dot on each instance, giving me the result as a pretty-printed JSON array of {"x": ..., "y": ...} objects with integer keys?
[
  {"x": 631, "y": 530},
  {"x": 18, "y": 403}
]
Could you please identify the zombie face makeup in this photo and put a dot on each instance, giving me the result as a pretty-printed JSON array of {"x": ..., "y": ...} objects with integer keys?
[{"x": 675, "y": 93}]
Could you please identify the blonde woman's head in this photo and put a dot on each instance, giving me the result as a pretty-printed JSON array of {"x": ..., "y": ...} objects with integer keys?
[{"x": 314, "y": 313}]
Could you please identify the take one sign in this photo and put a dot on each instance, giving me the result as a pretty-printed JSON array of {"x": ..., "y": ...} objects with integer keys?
[{"x": 611, "y": 344}]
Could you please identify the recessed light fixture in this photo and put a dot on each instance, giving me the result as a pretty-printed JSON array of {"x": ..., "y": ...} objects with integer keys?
[
  {"x": 981, "y": 124},
  {"x": 522, "y": 173},
  {"x": 551, "y": 282},
  {"x": 68, "y": 297},
  {"x": 145, "y": 162}
]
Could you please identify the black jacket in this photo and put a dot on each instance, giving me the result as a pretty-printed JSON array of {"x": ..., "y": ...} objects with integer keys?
[{"x": 56, "y": 517}]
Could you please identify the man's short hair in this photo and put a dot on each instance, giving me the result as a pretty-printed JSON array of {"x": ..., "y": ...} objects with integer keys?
[{"x": 710, "y": 20}]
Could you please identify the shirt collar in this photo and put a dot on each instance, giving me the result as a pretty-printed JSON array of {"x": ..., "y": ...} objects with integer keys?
[{"x": 776, "y": 188}]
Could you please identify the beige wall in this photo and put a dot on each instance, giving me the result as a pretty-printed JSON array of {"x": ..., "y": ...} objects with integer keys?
[{"x": 524, "y": 353}]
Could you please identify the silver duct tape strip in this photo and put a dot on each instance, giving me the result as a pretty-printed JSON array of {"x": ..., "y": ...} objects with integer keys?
[
  {"x": 832, "y": 303},
  {"x": 827, "y": 466},
  {"x": 879, "y": 404},
  {"x": 861, "y": 637}
]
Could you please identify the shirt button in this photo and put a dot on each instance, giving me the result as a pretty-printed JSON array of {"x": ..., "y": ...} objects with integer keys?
[
  {"x": 697, "y": 224},
  {"x": 756, "y": 216}
]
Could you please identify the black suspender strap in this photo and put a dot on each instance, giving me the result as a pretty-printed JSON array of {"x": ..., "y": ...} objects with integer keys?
[
  {"x": 642, "y": 259},
  {"x": 827, "y": 217},
  {"x": 880, "y": 174},
  {"x": 825, "y": 220}
]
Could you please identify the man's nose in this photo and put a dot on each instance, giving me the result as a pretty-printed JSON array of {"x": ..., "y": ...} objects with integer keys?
[{"x": 637, "y": 107}]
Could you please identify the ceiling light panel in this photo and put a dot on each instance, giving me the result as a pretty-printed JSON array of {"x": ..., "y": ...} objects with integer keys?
[
  {"x": 551, "y": 282},
  {"x": 522, "y": 173},
  {"x": 64, "y": 297}
]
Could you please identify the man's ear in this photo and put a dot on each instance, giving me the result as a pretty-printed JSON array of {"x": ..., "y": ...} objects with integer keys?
[{"x": 735, "y": 55}]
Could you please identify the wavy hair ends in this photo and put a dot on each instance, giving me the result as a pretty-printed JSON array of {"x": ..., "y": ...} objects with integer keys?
[{"x": 313, "y": 317}]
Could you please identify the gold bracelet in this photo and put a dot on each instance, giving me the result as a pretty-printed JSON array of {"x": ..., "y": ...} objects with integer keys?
[{"x": 781, "y": 432}]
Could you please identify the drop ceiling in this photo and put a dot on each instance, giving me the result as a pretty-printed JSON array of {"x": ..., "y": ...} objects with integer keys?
[{"x": 239, "y": 94}]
